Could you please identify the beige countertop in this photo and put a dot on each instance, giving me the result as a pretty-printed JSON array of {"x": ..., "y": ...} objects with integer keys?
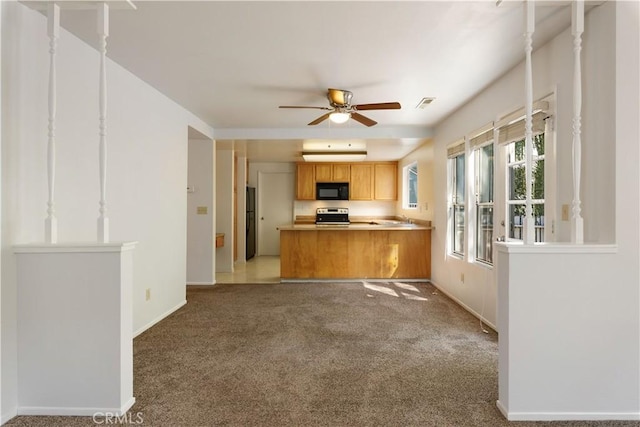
[{"x": 382, "y": 225}]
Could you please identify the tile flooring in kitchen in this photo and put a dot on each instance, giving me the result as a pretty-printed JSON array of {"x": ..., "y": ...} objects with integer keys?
[{"x": 259, "y": 269}]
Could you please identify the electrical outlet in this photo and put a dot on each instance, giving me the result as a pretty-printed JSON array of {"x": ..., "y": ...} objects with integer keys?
[
  {"x": 147, "y": 294},
  {"x": 461, "y": 277},
  {"x": 565, "y": 212}
]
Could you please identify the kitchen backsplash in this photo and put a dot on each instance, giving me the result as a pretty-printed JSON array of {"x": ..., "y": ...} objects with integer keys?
[{"x": 356, "y": 208}]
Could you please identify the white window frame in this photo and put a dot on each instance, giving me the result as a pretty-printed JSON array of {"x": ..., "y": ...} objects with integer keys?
[
  {"x": 406, "y": 191},
  {"x": 478, "y": 205},
  {"x": 546, "y": 105},
  {"x": 454, "y": 151},
  {"x": 510, "y": 147}
]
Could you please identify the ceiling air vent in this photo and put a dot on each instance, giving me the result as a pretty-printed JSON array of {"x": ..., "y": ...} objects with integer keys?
[{"x": 424, "y": 102}]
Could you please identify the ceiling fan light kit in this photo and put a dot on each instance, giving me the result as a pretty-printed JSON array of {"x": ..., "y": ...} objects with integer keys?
[
  {"x": 338, "y": 117},
  {"x": 341, "y": 109}
]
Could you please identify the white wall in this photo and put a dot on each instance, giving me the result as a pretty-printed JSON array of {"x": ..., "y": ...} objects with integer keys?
[
  {"x": 224, "y": 209},
  {"x": 201, "y": 227},
  {"x": 570, "y": 330},
  {"x": 569, "y": 347},
  {"x": 267, "y": 167},
  {"x": 361, "y": 208},
  {"x": 424, "y": 156},
  {"x": 553, "y": 72},
  {"x": 146, "y": 173}
]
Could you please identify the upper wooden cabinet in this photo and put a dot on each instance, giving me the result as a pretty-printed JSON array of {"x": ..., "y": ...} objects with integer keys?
[
  {"x": 333, "y": 172},
  {"x": 305, "y": 182},
  {"x": 367, "y": 180},
  {"x": 341, "y": 173},
  {"x": 361, "y": 187},
  {"x": 385, "y": 184}
]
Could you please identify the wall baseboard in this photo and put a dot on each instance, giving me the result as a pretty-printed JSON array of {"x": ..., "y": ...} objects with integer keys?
[
  {"x": 395, "y": 279},
  {"x": 201, "y": 283},
  {"x": 568, "y": 416},
  {"x": 466, "y": 307},
  {"x": 82, "y": 412},
  {"x": 159, "y": 318}
]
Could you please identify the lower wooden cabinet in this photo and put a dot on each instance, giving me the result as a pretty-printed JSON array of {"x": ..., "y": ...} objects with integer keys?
[{"x": 350, "y": 254}]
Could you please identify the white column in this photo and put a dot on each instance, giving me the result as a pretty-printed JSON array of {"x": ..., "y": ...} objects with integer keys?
[
  {"x": 529, "y": 15},
  {"x": 53, "y": 31},
  {"x": 577, "y": 27},
  {"x": 103, "y": 33}
]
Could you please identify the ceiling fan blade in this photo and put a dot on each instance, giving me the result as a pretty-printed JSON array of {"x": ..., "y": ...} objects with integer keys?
[
  {"x": 378, "y": 106},
  {"x": 340, "y": 97},
  {"x": 300, "y": 106},
  {"x": 320, "y": 119},
  {"x": 362, "y": 119}
]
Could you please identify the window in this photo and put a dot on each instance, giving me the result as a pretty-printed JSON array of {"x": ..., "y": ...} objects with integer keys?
[
  {"x": 410, "y": 196},
  {"x": 457, "y": 179},
  {"x": 511, "y": 137},
  {"x": 516, "y": 188},
  {"x": 484, "y": 203}
]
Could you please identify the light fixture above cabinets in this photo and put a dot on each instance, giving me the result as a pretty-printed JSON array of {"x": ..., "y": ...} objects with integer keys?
[
  {"x": 334, "y": 156},
  {"x": 334, "y": 151}
]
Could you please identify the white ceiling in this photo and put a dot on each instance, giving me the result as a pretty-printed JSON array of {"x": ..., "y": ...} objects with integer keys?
[{"x": 233, "y": 63}]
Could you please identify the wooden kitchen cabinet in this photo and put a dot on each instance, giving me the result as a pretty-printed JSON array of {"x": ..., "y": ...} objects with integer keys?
[
  {"x": 341, "y": 173},
  {"x": 333, "y": 172},
  {"x": 385, "y": 184},
  {"x": 326, "y": 253},
  {"x": 305, "y": 181},
  {"x": 361, "y": 186},
  {"x": 367, "y": 180},
  {"x": 324, "y": 172}
]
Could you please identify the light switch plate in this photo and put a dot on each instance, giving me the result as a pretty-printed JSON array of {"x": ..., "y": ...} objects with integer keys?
[{"x": 202, "y": 210}]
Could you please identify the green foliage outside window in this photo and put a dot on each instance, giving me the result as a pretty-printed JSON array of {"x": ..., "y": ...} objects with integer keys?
[{"x": 518, "y": 176}]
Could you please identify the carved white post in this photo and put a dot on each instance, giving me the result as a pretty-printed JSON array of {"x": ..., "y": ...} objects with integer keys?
[
  {"x": 529, "y": 16},
  {"x": 103, "y": 33},
  {"x": 53, "y": 30},
  {"x": 577, "y": 27}
]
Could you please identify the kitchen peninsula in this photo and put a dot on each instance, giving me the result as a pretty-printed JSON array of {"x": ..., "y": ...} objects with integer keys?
[{"x": 368, "y": 250}]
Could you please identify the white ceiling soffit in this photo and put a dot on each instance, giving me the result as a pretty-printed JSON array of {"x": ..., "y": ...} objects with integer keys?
[{"x": 233, "y": 63}]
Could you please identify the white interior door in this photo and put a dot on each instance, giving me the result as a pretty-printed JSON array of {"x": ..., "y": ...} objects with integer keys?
[{"x": 275, "y": 208}]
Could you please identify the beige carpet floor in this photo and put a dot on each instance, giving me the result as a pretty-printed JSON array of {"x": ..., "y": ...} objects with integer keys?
[{"x": 343, "y": 354}]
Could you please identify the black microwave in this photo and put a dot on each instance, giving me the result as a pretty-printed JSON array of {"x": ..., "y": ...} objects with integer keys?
[{"x": 332, "y": 191}]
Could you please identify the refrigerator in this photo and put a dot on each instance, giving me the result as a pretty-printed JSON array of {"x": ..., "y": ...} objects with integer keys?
[{"x": 251, "y": 222}]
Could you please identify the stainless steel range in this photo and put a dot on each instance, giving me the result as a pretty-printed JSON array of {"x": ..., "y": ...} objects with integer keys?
[{"x": 332, "y": 216}]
